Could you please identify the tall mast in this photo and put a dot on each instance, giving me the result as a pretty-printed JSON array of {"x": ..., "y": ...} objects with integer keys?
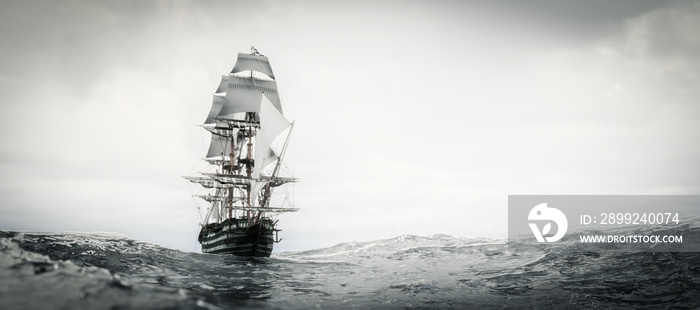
[{"x": 249, "y": 162}]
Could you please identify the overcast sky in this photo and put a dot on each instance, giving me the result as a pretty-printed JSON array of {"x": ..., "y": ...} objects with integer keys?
[{"x": 412, "y": 117}]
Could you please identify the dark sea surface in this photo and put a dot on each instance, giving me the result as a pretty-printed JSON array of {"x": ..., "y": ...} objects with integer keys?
[{"x": 110, "y": 271}]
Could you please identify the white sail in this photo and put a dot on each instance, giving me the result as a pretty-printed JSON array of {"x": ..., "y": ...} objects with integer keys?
[
  {"x": 255, "y": 192},
  {"x": 272, "y": 124},
  {"x": 220, "y": 145},
  {"x": 216, "y": 105},
  {"x": 257, "y": 63},
  {"x": 222, "y": 85},
  {"x": 244, "y": 94}
]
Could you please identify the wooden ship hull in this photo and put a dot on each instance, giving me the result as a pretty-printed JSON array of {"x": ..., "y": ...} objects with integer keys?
[{"x": 238, "y": 237}]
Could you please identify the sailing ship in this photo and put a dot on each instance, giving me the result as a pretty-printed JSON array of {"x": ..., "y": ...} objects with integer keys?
[{"x": 250, "y": 134}]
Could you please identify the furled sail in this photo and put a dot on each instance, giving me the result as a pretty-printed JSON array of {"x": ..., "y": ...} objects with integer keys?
[
  {"x": 210, "y": 198},
  {"x": 207, "y": 182},
  {"x": 257, "y": 63},
  {"x": 221, "y": 128}
]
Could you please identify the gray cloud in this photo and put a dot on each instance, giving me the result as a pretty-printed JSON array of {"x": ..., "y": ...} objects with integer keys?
[{"x": 667, "y": 40}]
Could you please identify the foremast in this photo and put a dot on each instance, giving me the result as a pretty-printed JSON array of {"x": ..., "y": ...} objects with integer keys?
[{"x": 249, "y": 137}]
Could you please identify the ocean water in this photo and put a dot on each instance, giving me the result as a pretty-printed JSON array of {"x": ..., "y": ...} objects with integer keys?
[{"x": 111, "y": 271}]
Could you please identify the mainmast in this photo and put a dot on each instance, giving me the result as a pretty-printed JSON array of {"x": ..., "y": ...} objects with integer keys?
[{"x": 249, "y": 160}]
